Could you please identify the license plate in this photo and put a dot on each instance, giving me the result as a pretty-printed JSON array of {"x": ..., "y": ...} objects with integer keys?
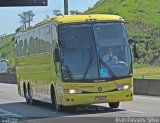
[{"x": 101, "y": 98}]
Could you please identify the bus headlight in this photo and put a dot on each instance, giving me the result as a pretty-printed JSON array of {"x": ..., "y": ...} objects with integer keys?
[
  {"x": 72, "y": 91},
  {"x": 124, "y": 87}
]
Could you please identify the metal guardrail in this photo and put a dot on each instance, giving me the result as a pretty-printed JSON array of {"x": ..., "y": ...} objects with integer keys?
[
  {"x": 8, "y": 78},
  {"x": 147, "y": 87}
]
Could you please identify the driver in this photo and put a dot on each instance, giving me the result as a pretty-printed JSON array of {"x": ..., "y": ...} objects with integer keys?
[{"x": 109, "y": 56}]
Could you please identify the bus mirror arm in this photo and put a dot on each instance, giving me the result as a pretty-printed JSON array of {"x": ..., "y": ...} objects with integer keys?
[
  {"x": 131, "y": 41},
  {"x": 56, "y": 55},
  {"x": 135, "y": 47},
  {"x": 135, "y": 51}
]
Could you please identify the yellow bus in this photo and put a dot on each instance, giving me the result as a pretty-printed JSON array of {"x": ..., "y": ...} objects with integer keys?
[{"x": 74, "y": 60}]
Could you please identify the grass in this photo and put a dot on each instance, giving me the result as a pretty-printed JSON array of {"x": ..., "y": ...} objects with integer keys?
[
  {"x": 145, "y": 71},
  {"x": 136, "y": 66}
]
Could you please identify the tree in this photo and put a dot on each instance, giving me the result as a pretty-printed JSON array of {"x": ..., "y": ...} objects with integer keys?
[
  {"x": 100, "y": 2},
  {"x": 57, "y": 12},
  {"x": 26, "y": 18},
  {"x": 30, "y": 16},
  {"x": 75, "y": 12},
  {"x": 23, "y": 20}
]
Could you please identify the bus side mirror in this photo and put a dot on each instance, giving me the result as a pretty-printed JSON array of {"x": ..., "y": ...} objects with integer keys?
[
  {"x": 135, "y": 51},
  {"x": 131, "y": 41},
  {"x": 135, "y": 48},
  {"x": 56, "y": 55}
]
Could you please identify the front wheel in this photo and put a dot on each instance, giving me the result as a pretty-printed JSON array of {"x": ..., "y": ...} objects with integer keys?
[
  {"x": 29, "y": 98},
  {"x": 114, "y": 105},
  {"x": 56, "y": 106},
  {"x": 25, "y": 91}
]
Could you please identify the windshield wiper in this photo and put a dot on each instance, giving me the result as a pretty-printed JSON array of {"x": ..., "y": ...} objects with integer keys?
[
  {"x": 88, "y": 67},
  {"x": 107, "y": 66}
]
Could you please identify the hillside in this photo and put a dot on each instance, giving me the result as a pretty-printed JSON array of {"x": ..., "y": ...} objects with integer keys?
[{"x": 142, "y": 19}]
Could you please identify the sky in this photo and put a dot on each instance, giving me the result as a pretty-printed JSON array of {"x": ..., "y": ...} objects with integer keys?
[{"x": 9, "y": 19}]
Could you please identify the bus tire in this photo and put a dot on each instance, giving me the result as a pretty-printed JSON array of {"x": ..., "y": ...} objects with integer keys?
[
  {"x": 25, "y": 93},
  {"x": 114, "y": 104},
  {"x": 56, "y": 106},
  {"x": 60, "y": 108},
  {"x": 31, "y": 101}
]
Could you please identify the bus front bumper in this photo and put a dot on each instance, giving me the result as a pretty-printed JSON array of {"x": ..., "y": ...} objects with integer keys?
[{"x": 93, "y": 98}]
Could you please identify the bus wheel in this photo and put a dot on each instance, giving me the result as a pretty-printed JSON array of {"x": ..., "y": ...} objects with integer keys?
[
  {"x": 114, "y": 105},
  {"x": 57, "y": 107},
  {"x": 30, "y": 99},
  {"x": 25, "y": 93}
]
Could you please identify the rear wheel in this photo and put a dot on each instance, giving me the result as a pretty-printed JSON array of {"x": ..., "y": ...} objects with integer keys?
[
  {"x": 25, "y": 93},
  {"x": 30, "y": 99},
  {"x": 114, "y": 105},
  {"x": 56, "y": 106}
]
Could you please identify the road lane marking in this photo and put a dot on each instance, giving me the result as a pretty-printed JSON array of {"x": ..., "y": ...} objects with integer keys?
[
  {"x": 10, "y": 113},
  {"x": 137, "y": 111}
]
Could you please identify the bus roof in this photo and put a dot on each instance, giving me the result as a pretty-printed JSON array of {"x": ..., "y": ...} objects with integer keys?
[{"x": 85, "y": 18}]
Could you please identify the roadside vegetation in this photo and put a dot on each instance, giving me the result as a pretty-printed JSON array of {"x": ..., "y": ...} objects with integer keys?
[{"x": 7, "y": 50}]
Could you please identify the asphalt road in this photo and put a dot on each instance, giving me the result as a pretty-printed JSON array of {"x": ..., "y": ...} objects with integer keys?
[{"x": 13, "y": 108}]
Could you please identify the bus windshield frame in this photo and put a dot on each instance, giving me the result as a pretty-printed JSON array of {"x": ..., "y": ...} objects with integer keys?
[{"x": 84, "y": 62}]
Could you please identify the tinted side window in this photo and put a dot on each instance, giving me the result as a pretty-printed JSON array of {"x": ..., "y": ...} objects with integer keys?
[
  {"x": 45, "y": 39},
  {"x": 25, "y": 45},
  {"x": 36, "y": 42},
  {"x": 20, "y": 46},
  {"x": 17, "y": 46},
  {"x": 42, "y": 39},
  {"x": 31, "y": 43},
  {"x": 54, "y": 35}
]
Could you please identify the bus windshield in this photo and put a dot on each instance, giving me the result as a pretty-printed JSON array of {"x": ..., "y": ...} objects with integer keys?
[{"x": 95, "y": 51}]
